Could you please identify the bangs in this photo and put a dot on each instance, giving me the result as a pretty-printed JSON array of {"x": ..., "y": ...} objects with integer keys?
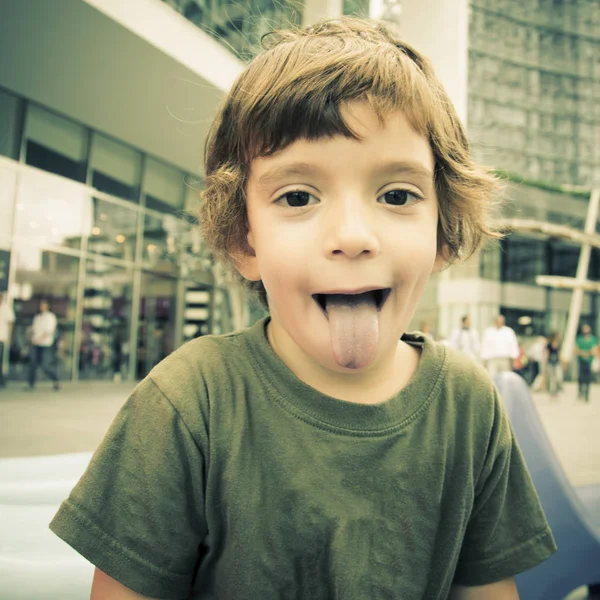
[{"x": 299, "y": 91}]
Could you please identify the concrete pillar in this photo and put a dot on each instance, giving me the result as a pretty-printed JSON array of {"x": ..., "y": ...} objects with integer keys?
[
  {"x": 439, "y": 29},
  {"x": 314, "y": 10}
]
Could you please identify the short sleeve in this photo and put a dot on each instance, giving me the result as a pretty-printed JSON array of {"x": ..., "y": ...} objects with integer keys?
[
  {"x": 137, "y": 513},
  {"x": 507, "y": 531}
]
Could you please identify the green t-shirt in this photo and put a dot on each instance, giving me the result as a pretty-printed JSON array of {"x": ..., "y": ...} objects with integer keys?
[
  {"x": 225, "y": 476},
  {"x": 586, "y": 345}
]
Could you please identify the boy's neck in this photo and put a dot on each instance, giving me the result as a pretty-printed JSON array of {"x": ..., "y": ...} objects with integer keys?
[{"x": 373, "y": 386}]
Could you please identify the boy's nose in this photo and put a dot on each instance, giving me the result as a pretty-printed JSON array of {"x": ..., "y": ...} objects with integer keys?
[{"x": 351, "y": 234}]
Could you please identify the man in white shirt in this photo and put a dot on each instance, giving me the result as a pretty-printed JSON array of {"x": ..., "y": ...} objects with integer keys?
[
  {"x": 42, "y": 339},
  {"x": 465, "y": 339},
  {"x": 7, "y": 318},
  {"x": 499, "y": 347}
]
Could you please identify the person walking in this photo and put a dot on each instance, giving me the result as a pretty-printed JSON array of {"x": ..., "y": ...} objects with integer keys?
[
  {"x": 465, "y": 338},
  {"x": 42, "y": 350},
  {"x": 586, "y": 347},
  {"x": 499, "y": 347},
  {"x": 552, "y": 364},
  {"x": 7, "y": 318},
  {"x": 536, "y": 355}
]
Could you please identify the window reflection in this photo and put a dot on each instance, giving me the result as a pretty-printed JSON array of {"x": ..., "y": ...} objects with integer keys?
[
  {"x": 156, "y": 331},
  {"x": 104, "y": 348},
  {"x": 54, "y": 279},
  {"x": 55, "y": 144},
  {"x": 50, "y": 211},
  {"x": 116, "y": 168},
  {"x": 164, "y": 243},
  {"x": 114, "y": 230}
]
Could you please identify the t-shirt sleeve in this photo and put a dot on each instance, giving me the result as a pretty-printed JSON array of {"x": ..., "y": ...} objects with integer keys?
[
  {"x": 137, "y": 513},
  {"x": 507, "y": 531}
]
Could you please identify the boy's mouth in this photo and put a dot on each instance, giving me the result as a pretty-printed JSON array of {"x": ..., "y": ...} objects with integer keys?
[
  {"x": 375, "y": 296},
  {"x": 353, "y": 325}
]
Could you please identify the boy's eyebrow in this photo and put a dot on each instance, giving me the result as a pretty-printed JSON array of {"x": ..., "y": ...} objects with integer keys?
[
  {"x": 408, "y": 167},
  {"x": 284, "y": 171},
  {"x": 402, "y": 167}
]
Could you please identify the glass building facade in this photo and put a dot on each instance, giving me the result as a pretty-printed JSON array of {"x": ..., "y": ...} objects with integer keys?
[{"x": 105, "y": 234}]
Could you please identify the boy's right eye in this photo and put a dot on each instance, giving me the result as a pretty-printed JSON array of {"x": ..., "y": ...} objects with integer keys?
[{"x": 296, "y": 199}]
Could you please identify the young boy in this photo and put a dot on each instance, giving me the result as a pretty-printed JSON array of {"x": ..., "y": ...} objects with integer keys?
[{"x": 324, "y": 452}]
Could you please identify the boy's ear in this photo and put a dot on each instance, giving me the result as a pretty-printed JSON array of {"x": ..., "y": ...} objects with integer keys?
[{"x": 246, "y": 261}]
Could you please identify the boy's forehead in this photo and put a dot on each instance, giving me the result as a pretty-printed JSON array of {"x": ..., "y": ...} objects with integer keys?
[{"x": 386, "y": 144}]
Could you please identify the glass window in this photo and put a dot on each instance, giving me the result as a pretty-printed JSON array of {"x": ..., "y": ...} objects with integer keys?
[
  {"x": 163, "y": 187},
  {"x": 54, "y": 279},
  {"x": 522, "y": 259},
  {"x": 50, "y": 211},
  {"x": 8, "y": 190},
  {"x": 564, "y": 259},
  {"x": 114, "y": 230},
  {"x": 10, "y": 107},
  {"x": 55, "y": 144},
  {"x": 156, "y": 331},
  {"x": 116, "y": 168},
  {"x": 165, "y": 242},
  {"x": 104, "y": 349}
]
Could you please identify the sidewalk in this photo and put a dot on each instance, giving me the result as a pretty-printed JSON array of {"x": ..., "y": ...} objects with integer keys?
[
  {"x": 76, "y": 418},
  {"x": 44, "y": 421}
]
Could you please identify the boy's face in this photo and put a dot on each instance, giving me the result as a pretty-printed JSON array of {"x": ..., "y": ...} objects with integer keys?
[{"x": 343, "y": 236}]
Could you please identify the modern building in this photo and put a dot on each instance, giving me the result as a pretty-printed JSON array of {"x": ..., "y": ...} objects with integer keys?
[{"x": 533, "y": 112}]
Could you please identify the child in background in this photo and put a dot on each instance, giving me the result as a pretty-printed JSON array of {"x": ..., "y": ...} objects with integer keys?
[{"x": 323, "y": 452}]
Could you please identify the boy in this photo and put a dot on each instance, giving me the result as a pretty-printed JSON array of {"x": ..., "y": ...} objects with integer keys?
[{"x": 315, "y": 455}]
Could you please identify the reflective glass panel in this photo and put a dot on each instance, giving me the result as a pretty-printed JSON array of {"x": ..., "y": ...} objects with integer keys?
[
  {"x": 54, "y": 279},
  {"x": 156, "y": 331},
  {"x": 114, "y": 230},
  {"x": 55, "y": 144},
  {"x": 50, "y": 211},
  {"x": 104, "y": 349},
  {"x": 116, "y": 168}
]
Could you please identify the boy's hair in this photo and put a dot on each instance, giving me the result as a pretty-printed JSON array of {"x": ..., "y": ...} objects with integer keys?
[{"x": 297, "y": 89}]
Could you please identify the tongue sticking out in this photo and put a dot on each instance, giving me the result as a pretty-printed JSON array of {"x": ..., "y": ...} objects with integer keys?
[{"x": 354, "y": 328}]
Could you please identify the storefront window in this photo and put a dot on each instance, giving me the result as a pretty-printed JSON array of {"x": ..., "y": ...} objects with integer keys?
[
  {"x": 156, "y": 330},
  {"x": 104, "y": 348},
  {"x": 163, "y": 187},
  {"x": 50, "y": 211},
  {"x": 116, "y": 168},
  {"x": 164, "y": 249},
  {"x": 53, "y": 279},
  {"x": 522, "y": 259},
  {"x": 55, "y": 144},
  {"x": 114, "y": 230},
  {"x": 10, "y": 116},
  {"x": 8, "y": 191}
]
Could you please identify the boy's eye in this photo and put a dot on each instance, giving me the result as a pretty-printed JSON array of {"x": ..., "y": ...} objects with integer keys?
[
  {"x": 399, "y": 198},
  {"x": 297, "y": 199}
]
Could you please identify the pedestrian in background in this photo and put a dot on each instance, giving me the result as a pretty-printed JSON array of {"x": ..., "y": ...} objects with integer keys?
[
  {"x": 552, "y": 364},
  {"x": 7, "y": 318},
  {"x": 536, "y": 355},
  {"x": 499, "y": 347},
  {"x": 586, "y": 348},
  {"x": 42, "y": 345},
  {"x": 465, "y": 338}
]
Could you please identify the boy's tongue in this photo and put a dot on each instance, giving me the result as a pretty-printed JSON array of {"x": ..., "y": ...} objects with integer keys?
[{"x": 354, "y": 328}]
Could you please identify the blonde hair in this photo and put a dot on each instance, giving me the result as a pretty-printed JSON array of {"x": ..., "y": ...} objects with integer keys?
[{"x": 297, "y": 88}]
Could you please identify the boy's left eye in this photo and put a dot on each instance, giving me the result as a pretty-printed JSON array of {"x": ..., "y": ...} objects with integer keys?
[{"x": 399, "y": 198}]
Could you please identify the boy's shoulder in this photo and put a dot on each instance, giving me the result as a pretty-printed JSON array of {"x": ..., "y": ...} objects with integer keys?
[
  {"x": 196, "y": 359},
  {"x": 457, "y": 370}
]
